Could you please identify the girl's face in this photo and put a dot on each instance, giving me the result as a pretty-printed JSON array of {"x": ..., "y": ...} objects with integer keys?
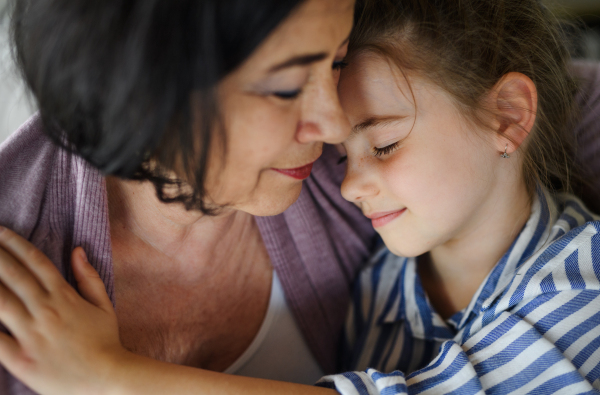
[
  {"x": 279, "y": 107},
  {"x": 422, "y": 173}
]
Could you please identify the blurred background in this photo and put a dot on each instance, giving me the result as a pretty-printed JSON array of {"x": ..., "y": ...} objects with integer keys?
[{"x": 16, "y": 106}]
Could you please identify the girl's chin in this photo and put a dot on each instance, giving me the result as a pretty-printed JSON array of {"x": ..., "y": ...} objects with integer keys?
[{"x": 408, "y": 248}]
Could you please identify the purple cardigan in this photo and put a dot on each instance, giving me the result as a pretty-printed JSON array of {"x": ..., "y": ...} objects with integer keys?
[{"x": 58, "y": 202}]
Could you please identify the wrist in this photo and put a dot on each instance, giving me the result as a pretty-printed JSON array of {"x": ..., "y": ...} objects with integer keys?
[{"x": 119, "y": 374}]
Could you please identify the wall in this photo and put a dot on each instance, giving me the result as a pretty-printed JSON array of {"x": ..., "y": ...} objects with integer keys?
[{"x": 15, "y": 107}]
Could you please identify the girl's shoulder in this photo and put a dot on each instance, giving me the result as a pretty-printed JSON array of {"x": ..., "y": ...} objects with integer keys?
[
  {"x": 574, "y": 249},
  {"x": 567, "y": 263},
  {"x": 572, "y": 214}
]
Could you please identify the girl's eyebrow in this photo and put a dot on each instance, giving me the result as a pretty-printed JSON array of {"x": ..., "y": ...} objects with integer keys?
[{"x": 372, "y": 122}]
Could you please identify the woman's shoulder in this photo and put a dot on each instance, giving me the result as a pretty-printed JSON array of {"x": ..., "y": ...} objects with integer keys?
[
  {"x": 53, "y": 198},
  {"x": 26, "y": 161},
  {"x": 39, "y": 180},
  {"x": 26, "y": 150}
]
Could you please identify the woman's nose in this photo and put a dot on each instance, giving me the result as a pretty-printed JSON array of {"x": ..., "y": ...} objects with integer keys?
[
  {"x": 360, "y": 184},
  {"x": 323, "y": 118}
]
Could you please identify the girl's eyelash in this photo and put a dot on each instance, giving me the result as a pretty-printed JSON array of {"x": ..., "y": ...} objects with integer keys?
[
  {"x": 288, "y": 95},
  {"x": 386, "y": 150},
  {"x": 339, "y": 65}
]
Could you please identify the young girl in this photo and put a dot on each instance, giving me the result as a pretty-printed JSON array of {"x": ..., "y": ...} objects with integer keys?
[{"x": 490, "y": 276}]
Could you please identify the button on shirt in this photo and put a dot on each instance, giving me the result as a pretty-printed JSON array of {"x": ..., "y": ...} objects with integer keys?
[{"x": 532, "y": 326}]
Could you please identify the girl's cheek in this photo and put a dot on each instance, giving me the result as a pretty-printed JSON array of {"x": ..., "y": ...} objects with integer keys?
[{"x": 395, "y": 171}]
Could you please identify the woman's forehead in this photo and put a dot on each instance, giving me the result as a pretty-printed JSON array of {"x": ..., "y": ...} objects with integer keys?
[{"x": 316, "y": 27}]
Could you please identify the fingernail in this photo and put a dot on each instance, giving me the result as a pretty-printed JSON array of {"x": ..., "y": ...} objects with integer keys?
[
  {"x": 83, "y": 255},
  {"x": 2, "y": 228}
]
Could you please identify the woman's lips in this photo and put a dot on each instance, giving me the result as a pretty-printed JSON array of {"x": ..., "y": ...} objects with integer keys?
[
  {"x": 380, "y": 219},
  {"x": 299, "y": 173}
]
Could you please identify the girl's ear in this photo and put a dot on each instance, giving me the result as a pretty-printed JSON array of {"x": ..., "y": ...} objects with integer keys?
[{"x": 514, "y": 100}]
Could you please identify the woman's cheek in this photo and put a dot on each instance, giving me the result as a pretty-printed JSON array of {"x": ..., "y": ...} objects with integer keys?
[{"x": 262, "y": 140}]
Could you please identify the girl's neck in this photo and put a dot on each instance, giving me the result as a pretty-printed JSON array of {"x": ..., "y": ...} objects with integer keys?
[{"x": 452, "y": 272}]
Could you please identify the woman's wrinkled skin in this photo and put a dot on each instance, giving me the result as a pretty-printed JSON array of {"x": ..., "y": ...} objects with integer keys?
[
  {"x": 279, "y": 107},
  {"x": 181, "y": 278}
]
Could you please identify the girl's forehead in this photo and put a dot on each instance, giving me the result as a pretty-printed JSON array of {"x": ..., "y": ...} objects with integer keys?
[{"x": 372, "y": 85}]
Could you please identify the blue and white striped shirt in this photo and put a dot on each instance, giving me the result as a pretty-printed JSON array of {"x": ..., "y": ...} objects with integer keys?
[{"x": 533, "y": 326}]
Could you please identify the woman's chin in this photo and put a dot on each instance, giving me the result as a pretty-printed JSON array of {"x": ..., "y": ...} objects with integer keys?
[{"x": 272, "y": 203}]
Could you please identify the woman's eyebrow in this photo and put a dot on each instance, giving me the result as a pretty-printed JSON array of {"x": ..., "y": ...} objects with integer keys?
[{"x": 301, "y": 60}]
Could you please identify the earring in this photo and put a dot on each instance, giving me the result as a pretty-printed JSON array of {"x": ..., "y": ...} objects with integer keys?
[{"x": 505, "y": 155}]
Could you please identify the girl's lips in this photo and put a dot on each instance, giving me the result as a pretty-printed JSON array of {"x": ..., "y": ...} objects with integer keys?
[
  {"x": 380, "y": 219},
  {"x": 299, "y": 173}
]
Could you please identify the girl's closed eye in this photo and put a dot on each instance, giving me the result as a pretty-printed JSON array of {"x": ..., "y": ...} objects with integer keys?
[{"x": 386, "y": 150}]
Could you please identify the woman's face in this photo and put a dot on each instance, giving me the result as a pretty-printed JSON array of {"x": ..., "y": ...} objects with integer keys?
[
  {"x": 279, "y": 108},
  {"x": 421, "y": 173}
]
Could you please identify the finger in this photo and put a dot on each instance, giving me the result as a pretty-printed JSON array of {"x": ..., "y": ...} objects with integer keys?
[
  {"x": 32, "y": 258},
  {"x": 13, "y": 313},
  {"x": 20, "y": 281},
  {"x": 89, "y": 283},
  {"x": 10, "y": 353}
]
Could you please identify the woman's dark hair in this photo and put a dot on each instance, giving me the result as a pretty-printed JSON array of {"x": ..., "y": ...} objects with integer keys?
[
  {"x": 121, "y": 82},
  {"x": 466, "y": 47}
]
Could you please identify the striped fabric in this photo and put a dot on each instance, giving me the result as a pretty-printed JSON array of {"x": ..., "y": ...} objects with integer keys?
[{"x": 533, "y": 326}]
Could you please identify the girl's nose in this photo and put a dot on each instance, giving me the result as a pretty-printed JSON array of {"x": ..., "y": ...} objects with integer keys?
[{"x": 360, "y": 184}]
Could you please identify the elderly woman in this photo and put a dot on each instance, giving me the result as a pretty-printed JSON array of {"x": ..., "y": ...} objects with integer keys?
[
  {"x": 170, "y": 139},
  {"x": 179, "y": 133}
]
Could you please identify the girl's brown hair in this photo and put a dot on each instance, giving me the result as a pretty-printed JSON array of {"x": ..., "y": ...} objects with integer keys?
[{"x": 466, "y": 47}]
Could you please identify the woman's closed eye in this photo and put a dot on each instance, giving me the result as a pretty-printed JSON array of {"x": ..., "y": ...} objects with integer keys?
[
  {"x": 294, "y": 93},
  {"x": 388, "y": 149},
  {"x": 339, "y": 65},
  {"x": 288, "y": 95}
]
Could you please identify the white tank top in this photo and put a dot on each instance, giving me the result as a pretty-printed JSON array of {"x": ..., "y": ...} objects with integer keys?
[{"x": 279, "y": 351}]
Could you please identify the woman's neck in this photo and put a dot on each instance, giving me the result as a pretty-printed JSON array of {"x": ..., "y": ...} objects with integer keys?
[
  {"x": 136, "y": 214},
  {"x": 452, "y": 272}
]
